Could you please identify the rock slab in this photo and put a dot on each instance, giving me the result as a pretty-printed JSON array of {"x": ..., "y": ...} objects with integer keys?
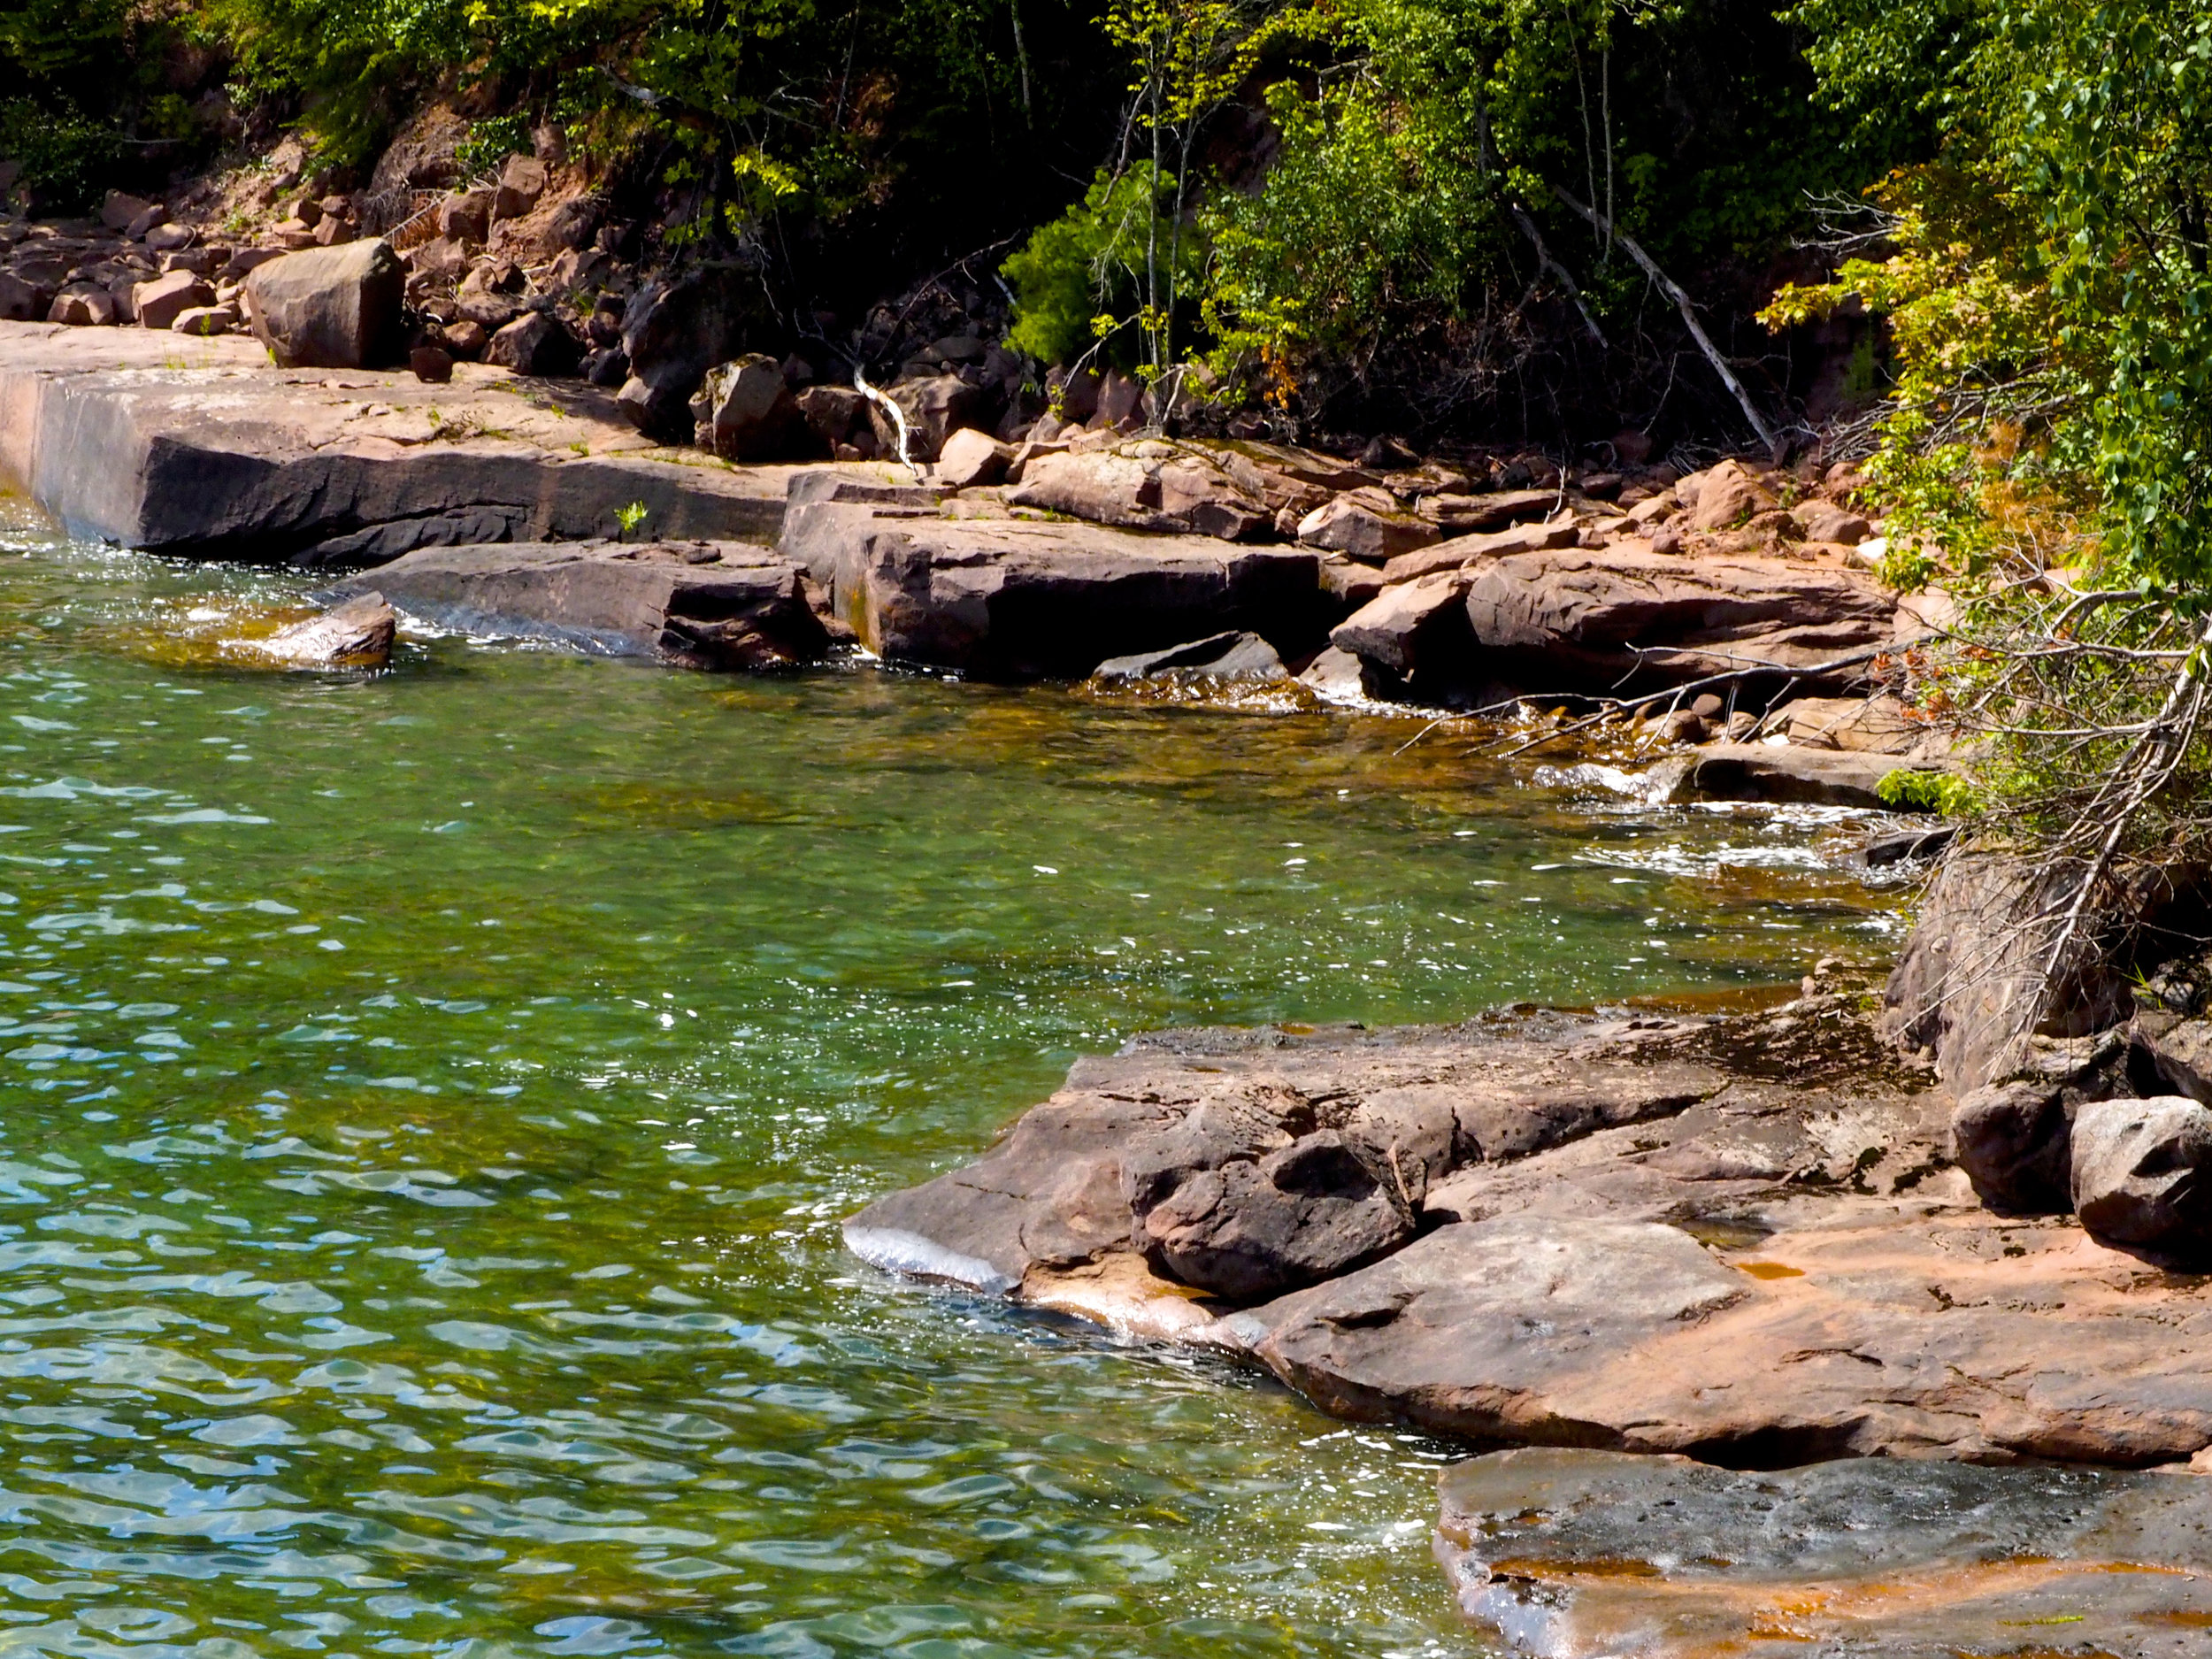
[
  {"x": 700, "y": 605},
  {"x": 1016, "y": 599}
]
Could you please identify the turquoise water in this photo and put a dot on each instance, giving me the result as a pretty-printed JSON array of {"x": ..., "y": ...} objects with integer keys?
[{"x": 430, "y": 1100}]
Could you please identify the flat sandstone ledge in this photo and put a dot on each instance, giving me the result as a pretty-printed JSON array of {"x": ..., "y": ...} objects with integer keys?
[
  {"x": 1738, "y": 1240},
  {"x": 201, "y": 448}
]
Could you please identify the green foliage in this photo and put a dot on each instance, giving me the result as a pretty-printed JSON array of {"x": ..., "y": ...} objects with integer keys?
[
  {"x": 1425, "y": 143},
  {"x": 1941, "y": 791},
  {"x": 490, "y": 142},
  {"x": 1088, "y": 265},
  {"x": 2050, "y": 288},
  {"x": 65, "y": 157}
]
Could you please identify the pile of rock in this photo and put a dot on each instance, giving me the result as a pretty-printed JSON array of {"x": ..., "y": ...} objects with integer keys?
[
  {"x": 520, "y": 272},
  {"x": 2097, "y": 1098},
  {"x": 133, "y": 265}
]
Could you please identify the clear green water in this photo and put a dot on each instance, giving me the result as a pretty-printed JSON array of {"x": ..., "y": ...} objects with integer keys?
[{"x": 429, "y": 1101}]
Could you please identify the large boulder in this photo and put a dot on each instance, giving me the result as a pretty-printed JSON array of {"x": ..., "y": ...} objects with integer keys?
[
  {"x": 1148, "y": 484},
  {"x": 329, "y": 308},
  {"x": 2015, "y": 1142},
  {"x": 1415, "y": 632},
  {"x": 2142, "y": 1177},
  {"x": 935, "y": 406},
  {"x": 1022, "y": 600},
  {"x": 744, "y": 411},
  {"x": 1613, "y": 618},
  {"x": 673, "y": 331},
  {"x": 534, "y": 344},
  {"x": 1725, "y": 495},
  {"x": 970, "y": 458},
  {"x": 1366, "y": 527}
]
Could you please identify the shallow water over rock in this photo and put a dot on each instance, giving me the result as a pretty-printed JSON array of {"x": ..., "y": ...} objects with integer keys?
[
  {"x": 431, "y": 1098},
  {"x": 1567, "y": 1554}
]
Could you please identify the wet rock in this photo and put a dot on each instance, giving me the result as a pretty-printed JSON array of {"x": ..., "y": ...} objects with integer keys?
[
  {"x": 1022, "y": 600},
  {"x": 328, "y": 309},
  {"x": 2142, "y": 1177},
  {"x": 1415, "y": 632},
  {"x": 1146, "y": 484},
  {"x": 534, "y": 344},
  {"x": 1785, "y": 772},
  {"x": 725, "y": 605},
  {"x": 1364, "y": 530},
  {"x": 159, "y": 302},
  {"x": 1248, "y": 1229},
  {"x": 2015, "y": 1143},
  {"x": 1337, "y": 676},
  {"x": 744, "y": 411},
  {"x": 1218, "y": 657},
  {"x": 358, "y": 634},
  {"x": 1573, "y": 1552},
  {"x": 1613, "y": 618},
  {"x": 1911, "y": 846}
]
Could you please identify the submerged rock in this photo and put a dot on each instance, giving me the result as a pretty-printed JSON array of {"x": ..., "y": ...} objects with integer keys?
[
  {"x": 356, "y": 633},
  {"x": 1575, "y": 1552},
  {"x": 1218, "y": 657}
]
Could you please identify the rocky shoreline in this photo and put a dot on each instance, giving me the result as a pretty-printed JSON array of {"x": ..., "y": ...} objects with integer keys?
[{"x": 1901, "y": 1226}]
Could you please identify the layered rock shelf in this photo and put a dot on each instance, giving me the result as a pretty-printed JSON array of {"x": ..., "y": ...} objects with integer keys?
[
  {"x": 1739, "y": 1240},
  {"x": 201, "y": 448}
]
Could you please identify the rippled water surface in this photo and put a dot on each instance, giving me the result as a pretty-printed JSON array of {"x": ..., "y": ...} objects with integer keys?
[{"x": 430, "y": 1100}]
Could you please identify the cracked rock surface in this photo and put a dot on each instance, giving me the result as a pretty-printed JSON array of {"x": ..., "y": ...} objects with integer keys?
[{"x": 1737, "y": 1239}]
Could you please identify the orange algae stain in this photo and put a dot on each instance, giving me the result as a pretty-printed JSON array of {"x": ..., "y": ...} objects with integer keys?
[
  {"x": 1770, "y": 1270},
  {"x": 1597, "y": 1567}
]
